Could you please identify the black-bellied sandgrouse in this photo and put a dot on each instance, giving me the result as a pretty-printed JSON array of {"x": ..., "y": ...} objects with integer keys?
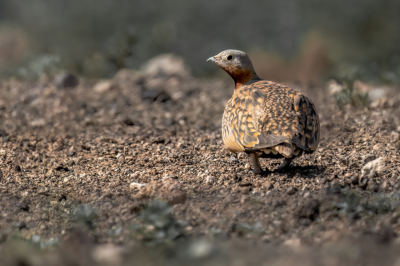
[{"x": 263, "y": 118}]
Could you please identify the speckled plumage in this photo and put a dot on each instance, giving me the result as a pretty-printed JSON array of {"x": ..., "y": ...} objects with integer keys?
[{"x": 264, "y": 118}]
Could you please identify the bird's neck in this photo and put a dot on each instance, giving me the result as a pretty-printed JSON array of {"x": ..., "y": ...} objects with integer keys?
[{"x": 246, "y": 77}]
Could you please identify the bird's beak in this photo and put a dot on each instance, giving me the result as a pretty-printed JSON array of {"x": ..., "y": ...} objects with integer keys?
[{"x": 211, "y": 59}]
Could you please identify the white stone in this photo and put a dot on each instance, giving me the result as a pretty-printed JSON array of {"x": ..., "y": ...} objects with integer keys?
[
  {"x": 200, "y": 249},
  {"x": 108, "y": 254},
  {"x": 373, "y": 168},
  {"x": 209, "y": 180},
  {"x": 103, "y": 86},
  {"x": 134, "y": 185}
]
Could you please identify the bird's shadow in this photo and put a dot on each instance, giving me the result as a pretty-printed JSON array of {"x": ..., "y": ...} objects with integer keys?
[{"x": 310, "y": 171}]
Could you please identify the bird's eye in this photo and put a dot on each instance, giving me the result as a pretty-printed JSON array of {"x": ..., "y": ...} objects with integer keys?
[{"x": 229, "y": 57}]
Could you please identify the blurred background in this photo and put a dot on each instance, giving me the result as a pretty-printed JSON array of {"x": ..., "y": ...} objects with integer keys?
[{"x": 304, "y": 41}]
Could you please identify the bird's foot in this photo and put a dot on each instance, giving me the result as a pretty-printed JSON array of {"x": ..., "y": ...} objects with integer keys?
[
  {"x": 285, "y": 165},
  {"x": 260, "y": 172}
]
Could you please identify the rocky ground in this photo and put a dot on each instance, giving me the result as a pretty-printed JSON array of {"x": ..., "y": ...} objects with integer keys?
[{"x": 83, "y": 170}]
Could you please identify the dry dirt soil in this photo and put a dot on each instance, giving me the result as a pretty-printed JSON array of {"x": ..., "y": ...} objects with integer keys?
[{"x": 83, "y": 170}]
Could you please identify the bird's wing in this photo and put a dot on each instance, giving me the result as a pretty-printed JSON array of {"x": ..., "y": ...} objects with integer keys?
[
  {"x": 241, "y": 128},
  {"x": 308, "y": 129}
]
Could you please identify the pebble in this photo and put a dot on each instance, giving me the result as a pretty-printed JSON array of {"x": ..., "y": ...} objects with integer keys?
[
  {"x": 241, "y": 156},
  {"x": 363, "y": 182},
  {"x": 395, "y": 136},
  {"x": 135, "y": 185},
  {"x": 67, "y": 204},
  {"x": 373, "y": 187},
  {"x": 209, "y": 180},
  {"x": 66, "y": 80},
  {"x": 24, "y": 207},
  {"x": 247, "y": 166},
  {"x": 385, "y": 185},
  {"x": 268, "y": 185},
  {"x": 291, "y": 190},
  {"x": 20, "y": 225},
  {"x": 293, "y": 242},
  {"x": 103, "y": 86},
  {"x": 200, "y": 249},
  {"x": 45, "y": 217},
  {"x": 373, "y": 168},
  {"x": 354, "y": 180},
  {"x": 108, "y": 254},
  {"x": 233, "y": 159}
]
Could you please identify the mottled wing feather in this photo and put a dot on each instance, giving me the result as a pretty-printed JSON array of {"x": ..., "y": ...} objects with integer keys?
[
  {"x": 266, "y": 141},
  {"x": 308, "y": 128},
  {"x": 266, "y": 114},
  {"x": 239, "y": 130}
]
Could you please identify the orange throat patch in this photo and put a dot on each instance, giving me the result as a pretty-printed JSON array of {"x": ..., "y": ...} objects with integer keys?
[{"x": 240, "y": 76}]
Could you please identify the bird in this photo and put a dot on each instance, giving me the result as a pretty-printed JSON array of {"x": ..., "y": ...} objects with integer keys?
[{"x": 265, "y": 119}]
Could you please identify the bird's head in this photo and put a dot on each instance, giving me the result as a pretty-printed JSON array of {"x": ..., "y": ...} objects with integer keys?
[{"x": 237, "y": 64}]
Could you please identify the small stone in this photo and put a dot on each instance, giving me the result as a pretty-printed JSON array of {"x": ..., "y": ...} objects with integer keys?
[
  {"x": 180, "y": 145},
  {"x": 67, "y": 204},
  {"x": 244, "y": 199},
  {"x": 165, "y": 66},
  {"x": 336, "y": 185},
  {"x": 293, "y": 242},
  {"x": 268, "y": 185},
  {"x": 108, "y": 254},
  {"x": 66, "y": 80},
  {"x": 103, "y": 86},
  {"x": 384, "y": 185},
  {"x": 20, "y": 225},
  {"x": 334, "y": 87},
  {"x": 128, "y": 121},
  {"x": 135, "y": 185},
  {"x": 308, "y": 210},
  {"x": 233, "y": 159},
  {"x": 377, "y": 146},
  {"x": 363, "y": 182},
  {"x": 136, "y": 207},
  {"x": 247, "y": 166},
  {"x": 373, "y": 187},
  {"x": 24, "y": 207},
  {"x": 17, "y": 168},
  {"x": 377, "y": 94},
  {"x": 395, "y": 136},
  {"x": 373, "y": 168},
  {"x": 354, "y": 180},
  {"x": 266, "y": 239},
  {"x": 291, "y": 190},
  {"x": 241, "y": 156},
  {"x": 200, "y": 249},
  {"x": 209, "y": 180}
]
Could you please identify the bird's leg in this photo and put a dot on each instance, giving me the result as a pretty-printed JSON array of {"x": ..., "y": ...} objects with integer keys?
[
  {"x": 256, "y": 163},
  {"x": 285, "y": 163}
]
